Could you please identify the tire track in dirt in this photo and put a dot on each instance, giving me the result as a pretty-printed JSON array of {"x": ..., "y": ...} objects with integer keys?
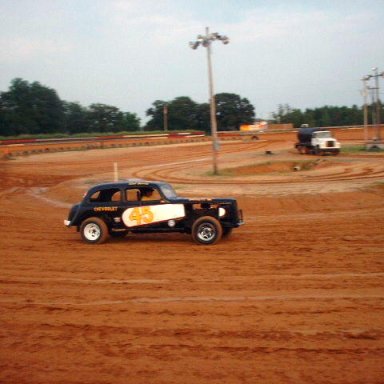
[
  {"x": 294, "y": 296},
  {"x": 179, "y": 172},
  {"x": 201, "y": 299}
]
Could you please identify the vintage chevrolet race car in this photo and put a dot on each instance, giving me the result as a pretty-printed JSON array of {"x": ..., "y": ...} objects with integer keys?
[{"x": 136, "y": 206}]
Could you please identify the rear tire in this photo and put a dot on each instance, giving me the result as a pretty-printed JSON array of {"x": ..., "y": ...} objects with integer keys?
[
  {"x": 94, "y": 230},
  {"x": 207, "y": 230}
]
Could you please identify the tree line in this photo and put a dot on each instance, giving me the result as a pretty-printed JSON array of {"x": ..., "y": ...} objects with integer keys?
[
  {"x": 32, "y": 108},
  {"x": 183, "y": 113},
  {"x": 327, "y": 116}
]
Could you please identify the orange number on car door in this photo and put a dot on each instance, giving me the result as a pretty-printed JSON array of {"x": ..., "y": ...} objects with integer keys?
[{"x": 142, "y": 215}]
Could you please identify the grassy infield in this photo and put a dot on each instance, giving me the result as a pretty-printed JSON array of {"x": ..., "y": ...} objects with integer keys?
[{"x": 303, "y": 165}]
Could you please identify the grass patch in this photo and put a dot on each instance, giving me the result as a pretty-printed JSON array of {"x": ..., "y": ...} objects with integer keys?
[
  {"x": 227, "y": 172},
  {"x": 269, "y": 167},
  {"x": 361, "y": 148}
]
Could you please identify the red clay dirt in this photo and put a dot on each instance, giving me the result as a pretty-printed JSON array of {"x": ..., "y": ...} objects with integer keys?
[{"x": 296, "y": 295}]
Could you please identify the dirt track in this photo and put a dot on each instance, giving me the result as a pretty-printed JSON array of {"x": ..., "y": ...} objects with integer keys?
[{"x": 294, "y": 296}]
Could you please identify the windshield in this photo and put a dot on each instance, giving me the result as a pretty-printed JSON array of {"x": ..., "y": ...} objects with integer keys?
[
  {"x": 168, "y": 191},
  {"x": 322, "y": 134}
]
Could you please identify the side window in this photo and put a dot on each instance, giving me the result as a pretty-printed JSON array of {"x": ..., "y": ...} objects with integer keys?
[
  {"x": 116, "y": 196},
  {"x": 132, "y": 194},
  {"x": 150, "y": 194},
  {"x": 95, "y": 197},
  {"x": 106, "y": 196}
]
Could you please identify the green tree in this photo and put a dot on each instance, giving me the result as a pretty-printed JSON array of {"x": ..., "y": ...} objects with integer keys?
[
  {"x": 285, "y": 115},
  {"x": 232, "y": 111},
  {"x": 357, "y": 116},
  {"x": 203, "y": 117},
  {"x": 326, "y": 116},
  {"x": 105, "y": 118},
  {"x": 156, "y": 114},
  {"x": 76, "y": 118},
  {"x": 185, "y": 114},
  {"x": 31, "y": 108},
  {"x": 130, "y": 122},
  {"x": 4, "y": 119},
  {"x": 182, "y": 114}
]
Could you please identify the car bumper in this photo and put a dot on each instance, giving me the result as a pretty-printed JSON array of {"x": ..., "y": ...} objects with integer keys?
[{"x": 241, "y": 217}]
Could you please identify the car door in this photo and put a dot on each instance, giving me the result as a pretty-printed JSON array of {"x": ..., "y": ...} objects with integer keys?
[
  {"x": 107, "y": 202},
  {"x": 152, "y": 210},
  {"x": 133, "y": 215}
]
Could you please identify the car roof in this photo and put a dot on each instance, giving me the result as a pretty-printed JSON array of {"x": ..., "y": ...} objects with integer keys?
[{"x": 126, "y": 183}]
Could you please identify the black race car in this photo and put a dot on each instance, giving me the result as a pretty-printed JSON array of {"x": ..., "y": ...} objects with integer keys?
[{"x": 136, "y": 206}]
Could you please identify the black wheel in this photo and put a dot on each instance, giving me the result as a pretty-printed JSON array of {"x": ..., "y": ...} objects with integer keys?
[
  {"x": 206, "y": 230},
  {"x": 94, "y": 230},
  {"x": 302, "y": 150}
]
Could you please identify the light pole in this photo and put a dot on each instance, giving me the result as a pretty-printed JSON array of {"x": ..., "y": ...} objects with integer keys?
[
  {"x": 365, "y": 95},
  {"x": 206, "y": 41}
]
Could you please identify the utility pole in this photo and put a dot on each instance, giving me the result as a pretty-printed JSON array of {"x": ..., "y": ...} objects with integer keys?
[
  {"x": 376, "y": 121},
  {"x": 165, "y": 117}
]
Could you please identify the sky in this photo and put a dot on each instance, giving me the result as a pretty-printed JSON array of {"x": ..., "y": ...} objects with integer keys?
[{"x": 130, "y": 53}]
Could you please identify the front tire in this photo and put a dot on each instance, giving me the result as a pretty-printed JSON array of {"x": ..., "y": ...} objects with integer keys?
[
  {"x": 207, "y": 230},
  {"x": 94, "y": 230}
]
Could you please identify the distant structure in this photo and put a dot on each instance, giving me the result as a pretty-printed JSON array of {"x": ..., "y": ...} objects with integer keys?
[{"x": 264, "y": 126}]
